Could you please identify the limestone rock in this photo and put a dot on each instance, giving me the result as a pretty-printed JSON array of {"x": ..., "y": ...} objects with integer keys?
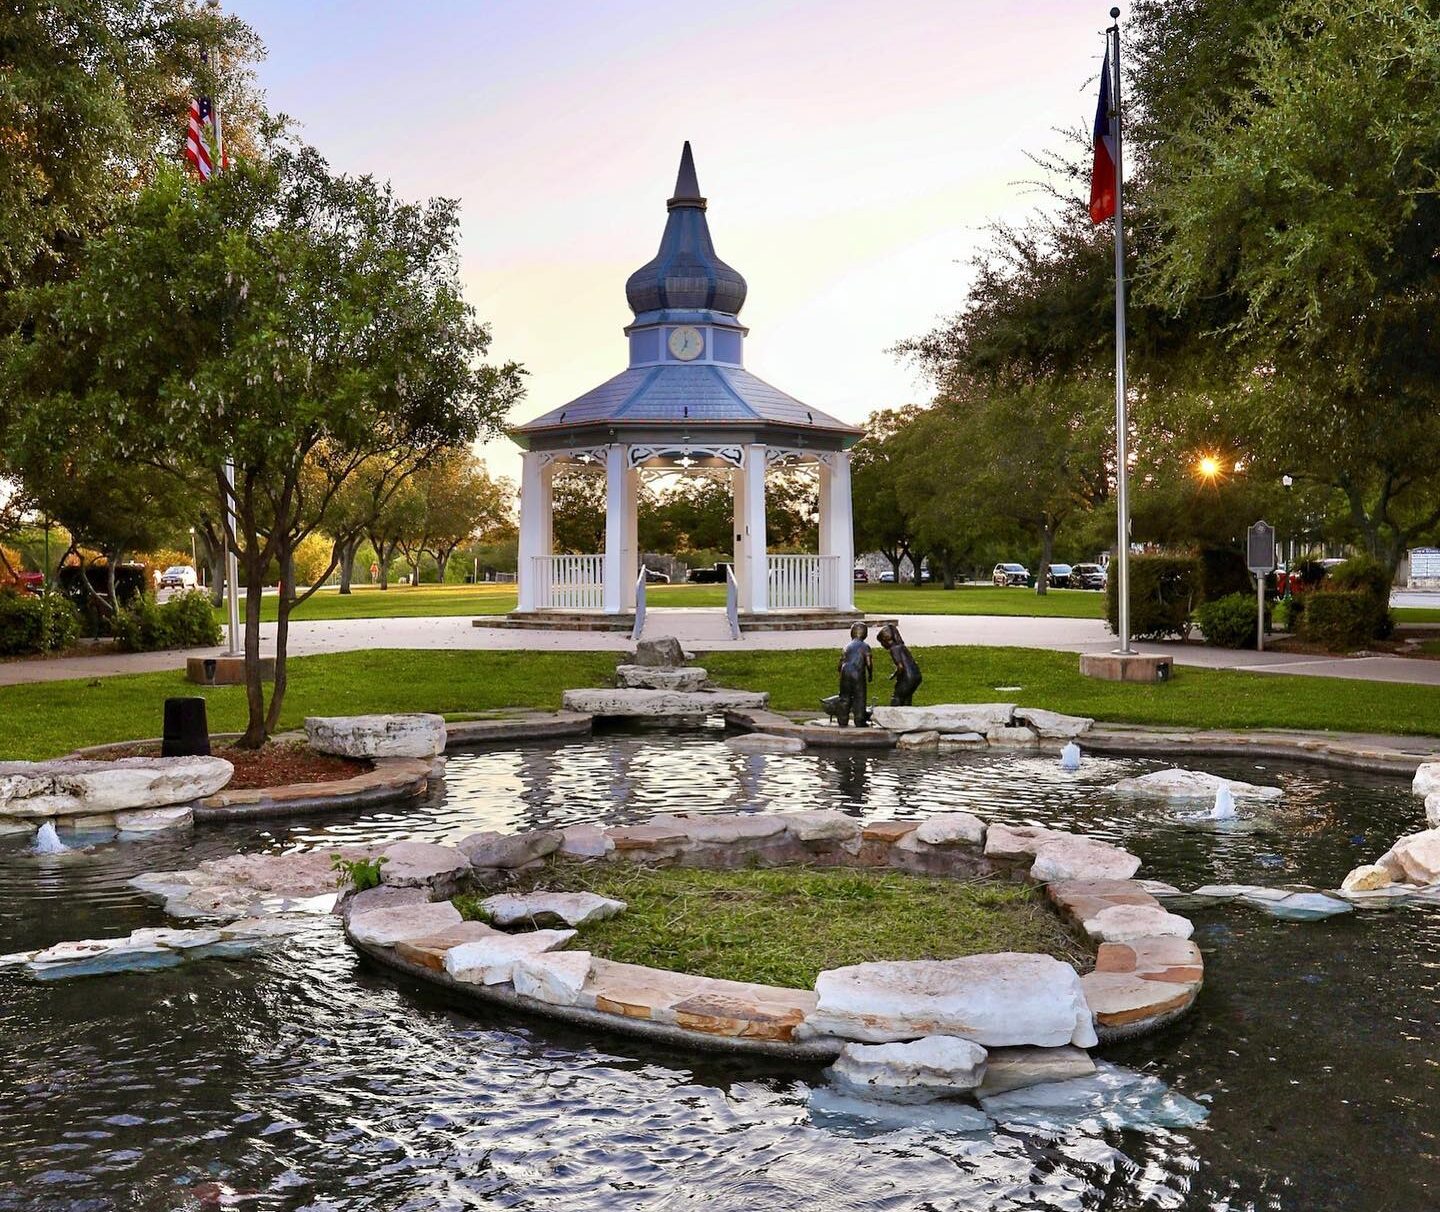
[
  {"x": 1129, "y": 999},
  {"x": 1018, "y": 841},
  {"x": 1052, "y": 725},
  {"x": 1177, "y": 784},
  {"x": 820, "y": 825},
  {"x": 412, "y": 735},
  {"x": 1414, "y": 859},
  {"x": 661, "y": 703},
  {"x": 491, "y": 960},
  {"x": 721, "y": 828},
  {"x": 571, "y": 908},
  {"x": 1368, "y": 877},
  {"x": 926, "y": 1069},
  {"x": 1122, "y": 923},
  {"x": 1082, "y": 858},
  {"x": 1427, "y": 779},
  {"x": 963, "y": 740},
  {"x": 154, "y": 820},
  {"x": 585, "y": 841},
  {"x": 647, "y": 677},
  {"x": 663, "y": 652},
  {"x": 918, "y": 740},
  {"x": 306, "y": 873},
  {"x": 764, "y": 742},
  {"x": 355, "y": 903},
  {"x": 1307, "y": 907},
  {"x": 386, "y": 927},
  {"x": 424, "y": 865},
  {"x": 509, "y": 850},
  {"x": 951, "y": 829},
  {"x": 75, "y": 787},
  {"x": 554, "y": 977},
  {"x": 1017, "y": 736},
  {"x": 1432, "y": 808},
  {"x": 945, "y": 718},
  {"x": 1016, "y": 1068},
  {"x": 994, "y": 1000},
  {"x": 1112, "y": 1096}
]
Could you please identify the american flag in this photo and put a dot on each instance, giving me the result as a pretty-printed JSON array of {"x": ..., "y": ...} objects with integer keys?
[{"x": 204, "y": 144}]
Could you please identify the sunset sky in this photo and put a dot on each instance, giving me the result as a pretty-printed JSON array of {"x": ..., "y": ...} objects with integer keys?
[{"x": 852, "y": 153}]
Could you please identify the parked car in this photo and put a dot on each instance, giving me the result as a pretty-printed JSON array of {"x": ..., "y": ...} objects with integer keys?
[
  {"x": 653, "y": 576},
  {"x": 1057, "y": 576},
  {"x": 887, "y": 577},
  {"x": 1011, "y": 574},
  {"x": 1087, "y": 576},
  {"x": 861, "y": 576},
  {"x": 30, "y": 582},
  {"x": 708, "y": 576},
  {"x": 178, "y": 576}
]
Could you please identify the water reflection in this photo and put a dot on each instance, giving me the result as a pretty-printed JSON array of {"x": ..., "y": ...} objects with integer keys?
[{"x": 305, "y": 1080}]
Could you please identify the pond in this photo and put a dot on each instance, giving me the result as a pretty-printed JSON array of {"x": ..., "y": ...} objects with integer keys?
[{"x": 307, "y": 1080}]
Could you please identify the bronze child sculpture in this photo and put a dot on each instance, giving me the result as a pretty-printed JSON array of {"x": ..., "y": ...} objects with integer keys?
[
  {"x": 857, "y": 671},
  {"x": 906, "y": 674}
]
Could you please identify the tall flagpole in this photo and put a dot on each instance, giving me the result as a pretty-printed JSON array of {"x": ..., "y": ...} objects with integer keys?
[{"x": 1122, "y": 442}]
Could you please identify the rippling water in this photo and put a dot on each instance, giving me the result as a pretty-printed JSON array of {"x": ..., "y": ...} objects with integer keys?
[{"x": 304, "y": 1080}]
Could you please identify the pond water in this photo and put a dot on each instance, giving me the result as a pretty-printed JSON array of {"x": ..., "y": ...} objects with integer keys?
[{"x": 307, "y": 1080}]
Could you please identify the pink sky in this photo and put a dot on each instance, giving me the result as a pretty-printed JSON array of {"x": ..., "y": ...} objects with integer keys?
[{"x": 852, "y": 153}]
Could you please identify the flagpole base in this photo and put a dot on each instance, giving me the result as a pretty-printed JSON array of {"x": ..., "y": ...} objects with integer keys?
[{"x": 1126, "y": 666}]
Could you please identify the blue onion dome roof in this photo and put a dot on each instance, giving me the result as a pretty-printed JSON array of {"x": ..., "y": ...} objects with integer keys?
[{"x": 686, "y": 273}]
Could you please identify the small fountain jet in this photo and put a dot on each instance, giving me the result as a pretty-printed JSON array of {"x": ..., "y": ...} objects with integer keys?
[
  {"x": 47, "y": 841},
  {"x": 1070, "y": 756}
]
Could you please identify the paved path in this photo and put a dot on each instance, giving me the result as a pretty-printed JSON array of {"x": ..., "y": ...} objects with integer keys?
[{"x": 705, "y": 629}]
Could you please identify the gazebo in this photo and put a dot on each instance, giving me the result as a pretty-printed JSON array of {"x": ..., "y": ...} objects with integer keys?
[{"x": 685, "y": 402}]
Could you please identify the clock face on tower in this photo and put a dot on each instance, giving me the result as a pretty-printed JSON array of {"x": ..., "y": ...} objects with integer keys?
[{"x": 686, "y": 343}]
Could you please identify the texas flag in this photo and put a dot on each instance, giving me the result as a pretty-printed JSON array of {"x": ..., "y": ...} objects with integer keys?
[{"x": 1102, "y": 181}]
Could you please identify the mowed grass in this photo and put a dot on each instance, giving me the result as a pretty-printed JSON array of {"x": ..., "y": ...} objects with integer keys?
[
  {"x": 45, "y": 719},
  {"x": 1416, "y": 614},
  {"x": 785, "y": 925},
  {"x": 980, "y": 599}
]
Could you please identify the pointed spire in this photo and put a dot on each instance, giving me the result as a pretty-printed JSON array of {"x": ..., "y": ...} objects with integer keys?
[{"x": 687, "y": 187}]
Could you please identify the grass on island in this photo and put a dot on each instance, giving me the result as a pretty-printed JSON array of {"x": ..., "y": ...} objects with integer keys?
[
  {"x": 785, "y": 925},
  {"x": 45, "y": 719}
]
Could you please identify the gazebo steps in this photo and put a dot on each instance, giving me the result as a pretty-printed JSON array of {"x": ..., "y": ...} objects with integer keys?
[
  {"x": 806, "y": 620},
  {"x": 559, "y": 620}
]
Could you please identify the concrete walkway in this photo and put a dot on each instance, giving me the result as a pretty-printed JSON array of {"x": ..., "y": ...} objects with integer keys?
[{"x": 705, "y": 629}]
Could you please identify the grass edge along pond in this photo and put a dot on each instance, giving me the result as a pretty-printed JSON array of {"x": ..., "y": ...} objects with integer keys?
[
  {"x": 785, "y": 925},
  {"x": 47, "y": 719}
]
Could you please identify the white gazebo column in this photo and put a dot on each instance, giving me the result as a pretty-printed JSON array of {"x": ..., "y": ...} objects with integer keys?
[
  {"x": 534, "y": 531},
  {"x": 615, "y": 527},
  {"x": 837, "y": 530},
  {"x": 750, "y": 554},
  {"x": 630, "y": 548}
]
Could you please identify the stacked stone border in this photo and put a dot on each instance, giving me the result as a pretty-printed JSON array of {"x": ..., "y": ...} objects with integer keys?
[{"x": 1147, "y": 974}]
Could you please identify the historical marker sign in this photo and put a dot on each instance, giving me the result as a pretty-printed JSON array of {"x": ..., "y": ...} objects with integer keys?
[{"x": 1260, "y": 548}]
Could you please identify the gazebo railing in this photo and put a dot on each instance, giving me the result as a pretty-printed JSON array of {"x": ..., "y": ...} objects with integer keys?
[
  {"x": 569, "y": 582},
  {"x": 802, "y": 582}
]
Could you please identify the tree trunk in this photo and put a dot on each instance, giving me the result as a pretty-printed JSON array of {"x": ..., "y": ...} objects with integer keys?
[
  {"x": 254, "y": 687},
  {"x": 414, "y": 572},
  {"x": 1047, "y": 549},
  {"x": 442, "y": 561},
  {"x": 347, "y": 562},
  {"x": 916, "y": 559},
  {"x": 282, "y": 636}
]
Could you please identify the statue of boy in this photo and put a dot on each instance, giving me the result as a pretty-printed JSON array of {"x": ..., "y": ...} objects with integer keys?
[
  {"x": 857, "y": 671},
  {"x": 906, "y": 674}
]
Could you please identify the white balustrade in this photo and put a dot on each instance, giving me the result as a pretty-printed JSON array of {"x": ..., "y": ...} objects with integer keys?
[
  {"x": 803, "y": 582},
  {"x": 570, "y": 582}
]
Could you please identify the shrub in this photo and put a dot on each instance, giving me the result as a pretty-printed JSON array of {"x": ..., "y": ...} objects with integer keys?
[
  {"x": 1339, "y": 619},
  {"x": 1364, "y": 574},
  {"x": 359, "y": 874},
  {"x": 1228, "y": 622},
  {"x": 35, "y": 624},
  {"x": 1222, "y": 572},
  {"x": 1162, "y": 592},
  {"x": 1287, "y": 613},
  {"x": 187, "y": 620}
]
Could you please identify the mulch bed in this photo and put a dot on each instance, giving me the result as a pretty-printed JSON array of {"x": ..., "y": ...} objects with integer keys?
[{"x": 273, "y": 766}]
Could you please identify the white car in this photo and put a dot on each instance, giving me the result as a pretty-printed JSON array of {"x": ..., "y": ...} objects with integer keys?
[{"x": 178, "y": 576}]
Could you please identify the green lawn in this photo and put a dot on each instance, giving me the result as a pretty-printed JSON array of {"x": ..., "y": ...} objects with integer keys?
[
  {"x": 50, "y": 718},
  {"x": 980, "y": 599},
  {"x": 1416, "y": 614},
  {"x": 786, "y": 925}
]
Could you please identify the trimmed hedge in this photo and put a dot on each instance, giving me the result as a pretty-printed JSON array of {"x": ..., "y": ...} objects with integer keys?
[
  {"x": 1163, "y": 589},
  {"x": 35, "y": 624},
  {"x": 1228, "y": 622},
  {"x": 187, "y": 620},
  {"x": 1364, "y": 574},
  {"x": 1222, "y": 572},
  {"x": 1340, "y": 620}
]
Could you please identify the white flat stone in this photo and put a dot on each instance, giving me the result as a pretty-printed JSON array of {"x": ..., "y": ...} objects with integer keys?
[
  {"x": 1220, "y": 892},
  {"x": 176, "y": 940},
  {"x": 642, "y": 703},
  {"x": 412, "y": 735},
  {"x": 491, "y": 960},
  {"x": 74, "y": 787},
  {"x": 945, "y": 717},
  {"x": 764, "y": 742},
  {"x": 1125, "y": 923},
  {"x": 1112, "y": 1097},
  {"x": 554, "y": 977},
  {"x": 154, "y": 820},
  {"x": 963, "y": 740},
  {"x": 386, "y": 927},
  {"x": 1082, "y": 858},
  {"x": 1427, "y": 779},
  {"x": 951, "y": 829},
  {"x": 832, "y": 1106},
  {"x": 1307, "y": 907},
  {"x": 11, "y": 825},
  {"x": 572, "y": 908},
  {"x": 1368, "y": 877},
  {"x": 1016, "y": 1068},
  {"x": 926, "y": 1069},
  {"x": 509, "y": 850},
  {"x": 1052, "y": 725},
  {"x": 1415, "y": 858},
  {"x": 918, "y": 740},
  {"x": 585, "y": 841},
  {"x": 1018, "y": 841},
  {"x": 722, "y": 828},
  {"x": 993, "y": 1000},
  {"x": 820, "y": 825},
  {"x": 1432, "y": 808},
  {"x": 650, "y": 677},
  {"x": 422, "y": 865},
  {"x": 1177, "y": 784},
  {"x": 1017, "y": 737}
]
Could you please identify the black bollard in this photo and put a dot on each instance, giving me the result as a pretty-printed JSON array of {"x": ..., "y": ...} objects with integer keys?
[{"x": 186, "y": 734}]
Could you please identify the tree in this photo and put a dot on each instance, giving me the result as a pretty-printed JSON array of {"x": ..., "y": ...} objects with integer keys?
[
  {"x": 881, "y": 522},
  {"x": 579, "y": 512},
  {"x": 456, "y": 499},
  {"x": 297, "y": 321}
]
